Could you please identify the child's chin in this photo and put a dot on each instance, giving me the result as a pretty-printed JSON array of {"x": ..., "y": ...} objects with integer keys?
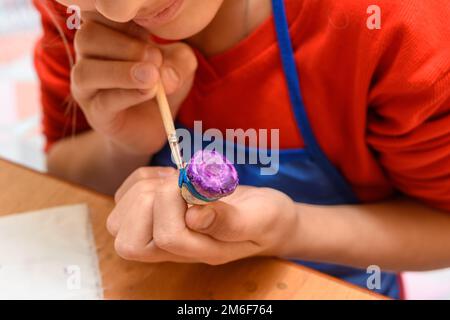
[{"x": 174, "y": 33}]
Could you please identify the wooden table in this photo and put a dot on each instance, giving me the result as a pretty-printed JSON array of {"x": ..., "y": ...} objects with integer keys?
[{"x": 22, "y": 190}]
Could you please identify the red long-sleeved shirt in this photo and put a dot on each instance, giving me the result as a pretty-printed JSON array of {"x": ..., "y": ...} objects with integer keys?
[{"x": 378, "y": 100}]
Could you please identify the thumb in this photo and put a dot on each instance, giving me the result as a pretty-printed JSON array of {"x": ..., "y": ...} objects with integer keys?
[
  {"x": 219, "y": 220},
  {"x": 178, "y": 69}
]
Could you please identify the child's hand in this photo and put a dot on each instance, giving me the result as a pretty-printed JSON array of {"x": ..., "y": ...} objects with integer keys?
[
  {"x": 114, "y": 81},
  {"x": 152, "y": 223}
]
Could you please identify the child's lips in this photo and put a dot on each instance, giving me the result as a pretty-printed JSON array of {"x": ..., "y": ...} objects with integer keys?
[{"x": 161, "y": 16}]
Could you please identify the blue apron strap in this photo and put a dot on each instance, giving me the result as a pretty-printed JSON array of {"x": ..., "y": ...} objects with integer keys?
[
  {"x": 290, "y": 71},
  {"x": 291, "y": 74}
]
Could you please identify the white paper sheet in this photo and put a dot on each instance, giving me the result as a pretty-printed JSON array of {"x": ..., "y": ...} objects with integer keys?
[{"x": 49, "y": 254}]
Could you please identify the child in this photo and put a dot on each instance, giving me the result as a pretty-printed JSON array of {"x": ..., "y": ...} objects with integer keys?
[{"x": 363, "y": 117}]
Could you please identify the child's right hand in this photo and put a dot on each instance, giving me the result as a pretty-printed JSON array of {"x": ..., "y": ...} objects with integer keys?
[{"x": 115, "y": 77}]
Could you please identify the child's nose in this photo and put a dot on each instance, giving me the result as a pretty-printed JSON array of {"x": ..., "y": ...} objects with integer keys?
[{"x": 119, "y": 11}]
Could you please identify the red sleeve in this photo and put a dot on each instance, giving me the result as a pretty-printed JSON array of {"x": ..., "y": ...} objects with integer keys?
[
  {"x": 409, "y": 115},
  {"x": 61, "y": 116}
]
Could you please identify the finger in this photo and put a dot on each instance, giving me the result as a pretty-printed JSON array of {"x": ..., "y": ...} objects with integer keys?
[
  {"x": 171, "y": 234},
  {"x": 139, "y": 193},
  {"x": 95, "y": 40},
  {"x": 111, "y": 101},
  {"x": 169, "y": 207},
  {"x": 90, "y": 75},
  {"x": 150, "y": 254},
  {"x": 202, "y": 248},
  {"x": 221, "y": 221},
  {"x": 140, "y": 174},
  {"x": 131, "y": 223},
  {"x": 178, "y": 67},
  {"x": 135, "y": 229},
  {"x": 232, "y": 219}
]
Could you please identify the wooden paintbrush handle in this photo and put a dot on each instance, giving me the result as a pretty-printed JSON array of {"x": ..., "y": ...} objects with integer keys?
[
  {"x": 164, "y": 109},
  {"x": 169, "y": 125}
]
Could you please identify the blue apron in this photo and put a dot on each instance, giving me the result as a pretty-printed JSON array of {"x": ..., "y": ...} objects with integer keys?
[{"x": 306, "y": 175}]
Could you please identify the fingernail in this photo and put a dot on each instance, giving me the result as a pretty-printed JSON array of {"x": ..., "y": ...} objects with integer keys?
[
  {"x": 144, "y": 73},
  {"x": 207, "y": 220},
  {"x": 170, "y": 74}
]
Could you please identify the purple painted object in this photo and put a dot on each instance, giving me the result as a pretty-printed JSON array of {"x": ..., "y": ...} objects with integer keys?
[{"x": 212, "y": 174}]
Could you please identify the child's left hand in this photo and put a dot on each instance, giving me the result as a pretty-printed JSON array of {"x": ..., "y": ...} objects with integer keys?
[{"x": 152, "y": 223}]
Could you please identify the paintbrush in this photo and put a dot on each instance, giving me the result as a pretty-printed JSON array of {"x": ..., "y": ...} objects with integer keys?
[
  {"x": 200, "y": 181},
  {"x": 169, "y": 125}
]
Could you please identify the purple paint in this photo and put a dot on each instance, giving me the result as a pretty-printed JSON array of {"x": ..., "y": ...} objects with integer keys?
[{"x": 212, "y": 174}]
